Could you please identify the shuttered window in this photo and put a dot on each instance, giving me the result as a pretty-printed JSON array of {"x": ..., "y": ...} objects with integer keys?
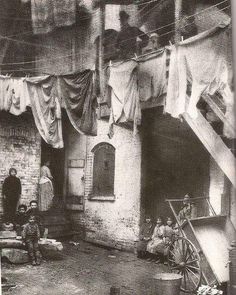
[{"x": 103, "y": 170}]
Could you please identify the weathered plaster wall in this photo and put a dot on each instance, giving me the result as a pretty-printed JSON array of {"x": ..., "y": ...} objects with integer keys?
[
  {"x": 216, "y": 190},
  {"x": 116, "y": 222},
  {"x": 233, "y": 206},
  {"x": 20, "y": 146}
]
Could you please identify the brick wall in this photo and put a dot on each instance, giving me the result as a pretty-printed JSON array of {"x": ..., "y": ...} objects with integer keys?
[
  {"x": 115, "y": 222},
  {"x": 20, "y": 148}
]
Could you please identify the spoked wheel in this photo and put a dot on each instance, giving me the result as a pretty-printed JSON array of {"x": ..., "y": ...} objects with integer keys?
[{"x": 184, "y": 259}]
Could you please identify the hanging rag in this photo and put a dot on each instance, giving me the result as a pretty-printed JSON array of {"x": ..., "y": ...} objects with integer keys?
[
  {"x": 46, "y": 109},
  {"x": 125, "y": 105},
  {"x": 204, "y": 61},
  {"x": 152, "y": 76},
  {"x": 173, "y": 84},
  {"x": 50, "y": 14},
  {"x": 5, "y": 93},
  {"x": 77, "y": 93},
  {"x": 20, "y": 99}
]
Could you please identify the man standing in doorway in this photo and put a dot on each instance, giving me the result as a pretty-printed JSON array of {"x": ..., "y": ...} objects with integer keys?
[{"x": 130, "y": 40}]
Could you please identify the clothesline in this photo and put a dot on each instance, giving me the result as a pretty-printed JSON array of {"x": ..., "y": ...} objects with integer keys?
[
  {"x": 148, "y": 32},
  {"x": 70, "y": 55},
  {"x": 46, "y": 95}
]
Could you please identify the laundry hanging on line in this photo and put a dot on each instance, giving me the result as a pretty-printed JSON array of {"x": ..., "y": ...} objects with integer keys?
[
  {"x": 125, "y": 104},
  {"x": 203, "y": 60},
  {"x": 19, "y": 99},
  {"x": 46, "y": 109},
  {"x": 5, "y": 93},
  {"x": 152, "y": 80},
  {"x": 14, "y": 96},
  {"x": 77, "y": 92}
]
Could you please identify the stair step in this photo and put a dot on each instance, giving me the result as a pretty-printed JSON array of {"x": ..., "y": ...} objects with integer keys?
[{"x": 214, "y": 144}]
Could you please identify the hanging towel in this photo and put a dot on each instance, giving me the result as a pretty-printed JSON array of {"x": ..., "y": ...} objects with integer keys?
[
  {"x": 152, "y": 76},
  {"x": 173, "y": 84},
  {"x": 5, "y": 93},
  {"x": 125, "y": 105},
  {"x": 50, "y": 14},
  {"x": 77, "y": 92},
  {"x": 19, "y": 96},
  {"x": 46, "y": 109}
]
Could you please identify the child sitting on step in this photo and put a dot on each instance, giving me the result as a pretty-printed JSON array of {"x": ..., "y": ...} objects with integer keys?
[{"x": 21, "y": 218}]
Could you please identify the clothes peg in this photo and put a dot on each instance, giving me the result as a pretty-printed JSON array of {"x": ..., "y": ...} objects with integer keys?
[
  {"x": 110, "y": 64},
  {"x": 182, "y": 38}
]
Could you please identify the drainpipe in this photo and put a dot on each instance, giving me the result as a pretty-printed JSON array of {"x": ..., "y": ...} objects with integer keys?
[
  {"x": 101, "y": 51},
  {"x": 178, "y": 15},
  {"x": 232, "y": 269}
]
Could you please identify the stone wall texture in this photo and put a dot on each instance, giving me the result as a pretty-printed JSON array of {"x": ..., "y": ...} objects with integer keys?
[
  {"x": 113, "y": 221},
  {"x": 20, "y": 146}
]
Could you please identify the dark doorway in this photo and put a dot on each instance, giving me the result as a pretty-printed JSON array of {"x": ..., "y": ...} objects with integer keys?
[{"x": 174, "y": 162}]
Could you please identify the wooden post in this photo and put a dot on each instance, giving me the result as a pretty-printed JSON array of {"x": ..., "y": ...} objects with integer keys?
[
  {"x": 0, "y": 272},
  {"x": 101, "y": 47},
  {"x": 178, "y": 15},
  {"x": 101, "y": 53}
]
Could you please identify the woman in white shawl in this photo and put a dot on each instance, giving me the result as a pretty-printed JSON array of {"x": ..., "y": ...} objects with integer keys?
[{"x": 46, "y": 191}]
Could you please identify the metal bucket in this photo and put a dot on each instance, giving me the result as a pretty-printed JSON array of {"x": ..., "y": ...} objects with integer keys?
[{"x": 166, "y": 284}]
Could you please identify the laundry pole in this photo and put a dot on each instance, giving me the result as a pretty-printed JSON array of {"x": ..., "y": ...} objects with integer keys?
[
  {"x": 178, "y": 15},
  {"x": 0, "y": 272}
]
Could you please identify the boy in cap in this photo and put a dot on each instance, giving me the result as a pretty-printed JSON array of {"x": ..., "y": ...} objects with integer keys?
[{"x": 188, "y": 211}]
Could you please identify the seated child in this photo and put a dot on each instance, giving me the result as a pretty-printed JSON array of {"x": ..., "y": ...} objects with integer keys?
[
  {"x": 144, "y": 237},
  {"x": 21, "y": 218},
  {"x": 31, "y": 236},
  {"x": 188, "y": 211},
  {"x": 34, "y": 210},
  {"x": 156, "y": 246}
]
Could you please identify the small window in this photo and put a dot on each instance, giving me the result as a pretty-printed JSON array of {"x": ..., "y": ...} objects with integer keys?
[{"x": 103, "y": 170}]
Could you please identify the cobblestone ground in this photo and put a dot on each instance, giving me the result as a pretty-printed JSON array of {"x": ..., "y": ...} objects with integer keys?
[{"x": 84, "y": 269}]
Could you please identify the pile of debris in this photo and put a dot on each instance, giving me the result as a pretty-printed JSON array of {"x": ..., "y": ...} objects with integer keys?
[{"x": 207, "y": 290}]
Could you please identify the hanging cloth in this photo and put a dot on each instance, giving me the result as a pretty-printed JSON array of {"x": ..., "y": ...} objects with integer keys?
[
  {"x": 5, "y": 93},
  {"x": 125, "y": 105},
  {"x": 204, "y": 61},
  {"x": 50, "y": 14},
  {"x": 19, "y": 96},
  {"x": 77, "y": 92},
  {"x": 152, "y": 76},
  {"x": 46, "y": 109}
]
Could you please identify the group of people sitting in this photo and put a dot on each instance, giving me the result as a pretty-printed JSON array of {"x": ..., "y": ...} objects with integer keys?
[
  {"x": 28, "y": 224},
  {"x": 155, "y": 239}
]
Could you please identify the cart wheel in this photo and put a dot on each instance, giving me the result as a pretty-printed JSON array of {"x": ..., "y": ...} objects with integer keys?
[{"x": 183, "y": 258}]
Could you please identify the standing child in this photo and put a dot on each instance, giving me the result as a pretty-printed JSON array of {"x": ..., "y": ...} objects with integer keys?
[
  {"x": 31, "y": 236},
  {"x": 169, "y": 234},
  {"x": 34, "y": 210}
]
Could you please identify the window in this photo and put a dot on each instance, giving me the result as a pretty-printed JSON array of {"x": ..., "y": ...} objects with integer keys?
[{"x": 103, "y": 170}]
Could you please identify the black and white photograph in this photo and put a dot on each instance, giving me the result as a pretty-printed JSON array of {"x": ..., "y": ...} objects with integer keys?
[{"x": 117, "y": 147}]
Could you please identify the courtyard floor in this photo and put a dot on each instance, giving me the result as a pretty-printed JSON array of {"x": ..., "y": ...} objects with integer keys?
[{"x": 84, "y": 269}]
